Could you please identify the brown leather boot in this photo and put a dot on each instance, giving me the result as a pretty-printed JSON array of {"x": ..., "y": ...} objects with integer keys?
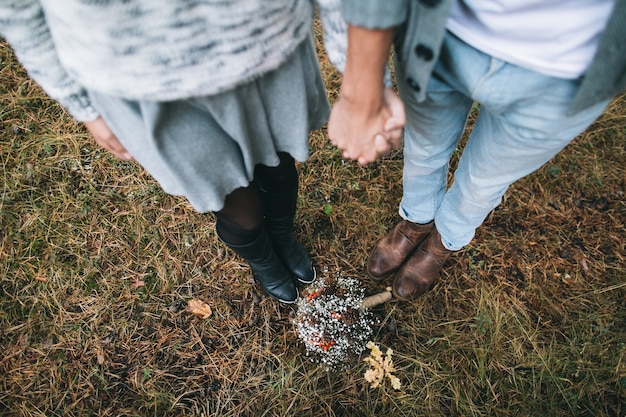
[
  {"x": 420, "y": 272},
  {"x": 391, "y": 251}
]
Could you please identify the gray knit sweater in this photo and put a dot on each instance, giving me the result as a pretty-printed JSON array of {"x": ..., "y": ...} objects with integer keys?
[{"x": 158, "y": 49}]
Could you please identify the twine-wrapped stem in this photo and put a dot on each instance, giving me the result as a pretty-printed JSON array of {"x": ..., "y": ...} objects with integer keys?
[{"x": 377, "y": 299}]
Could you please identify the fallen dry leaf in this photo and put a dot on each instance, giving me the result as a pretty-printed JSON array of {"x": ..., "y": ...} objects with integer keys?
[
  {"x": 137, "y": 284},
  {"x": 584, "y": 266},
  {"x": 100, "y": 358},
  {"x": 199, "y": 308}
]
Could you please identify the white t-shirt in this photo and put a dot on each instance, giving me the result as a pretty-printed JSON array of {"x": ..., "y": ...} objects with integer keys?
[{"x": 554, "y": 37}]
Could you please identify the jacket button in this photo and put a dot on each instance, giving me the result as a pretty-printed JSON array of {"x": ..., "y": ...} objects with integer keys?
[
  {"x": 430, "y": 3},
  {"x": 424, "y": 52},
  {"x": 413, "y": 84}
]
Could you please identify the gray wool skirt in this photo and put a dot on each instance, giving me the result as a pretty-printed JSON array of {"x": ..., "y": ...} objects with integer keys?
[{"x": 206, "y": 147}]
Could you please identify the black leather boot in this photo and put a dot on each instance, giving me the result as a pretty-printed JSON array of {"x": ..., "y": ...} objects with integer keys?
[
  {"x": 279, "y": 210},
  {"x": 267, "y": 268}
]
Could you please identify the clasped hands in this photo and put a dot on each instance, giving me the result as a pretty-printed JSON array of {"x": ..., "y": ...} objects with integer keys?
[
  {"x": 365, "y": 131},
  {"x": 362, "y": 130}
]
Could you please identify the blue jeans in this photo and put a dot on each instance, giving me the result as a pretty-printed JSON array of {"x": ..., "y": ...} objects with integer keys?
[{"x": 522, "y": 123}]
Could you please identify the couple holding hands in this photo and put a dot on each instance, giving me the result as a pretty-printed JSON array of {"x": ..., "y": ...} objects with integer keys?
[{"x": 216, "y": 100}]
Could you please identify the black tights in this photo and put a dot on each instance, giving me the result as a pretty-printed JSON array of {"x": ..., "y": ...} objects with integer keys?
[{"x": 239, "y": 221}]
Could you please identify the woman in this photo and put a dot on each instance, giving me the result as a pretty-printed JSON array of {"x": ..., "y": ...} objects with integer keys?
[{"x": 214, "y": 99}]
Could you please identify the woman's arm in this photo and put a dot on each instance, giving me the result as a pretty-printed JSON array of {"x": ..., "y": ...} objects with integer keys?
[{"x": 23, "y": 26}]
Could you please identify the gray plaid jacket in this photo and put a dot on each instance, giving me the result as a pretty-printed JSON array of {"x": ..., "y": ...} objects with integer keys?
[{"x": 422, "y": 25}]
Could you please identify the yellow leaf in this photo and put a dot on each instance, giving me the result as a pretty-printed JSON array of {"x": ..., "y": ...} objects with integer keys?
[
  {"x": 371, "y": 375},
  {"x": 395, "y": 382}
]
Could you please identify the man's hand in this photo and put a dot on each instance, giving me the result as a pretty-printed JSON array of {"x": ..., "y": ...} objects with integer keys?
[
  {"x": 364, "y": 131},
  {"x": 107, "y": 139}
]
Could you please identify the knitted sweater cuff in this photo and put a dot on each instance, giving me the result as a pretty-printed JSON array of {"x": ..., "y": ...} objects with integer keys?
[{"x": 79, "y": 106}]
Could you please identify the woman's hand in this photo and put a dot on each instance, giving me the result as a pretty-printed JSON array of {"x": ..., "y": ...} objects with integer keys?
[{"x": 105, "y": 137}]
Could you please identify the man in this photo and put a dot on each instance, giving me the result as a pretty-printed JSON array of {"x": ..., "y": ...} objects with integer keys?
[{"x": 541, "y": 72}]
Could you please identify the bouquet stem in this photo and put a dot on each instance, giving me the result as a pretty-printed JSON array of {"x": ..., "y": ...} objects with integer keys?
[{"x": 377, "y": 299}]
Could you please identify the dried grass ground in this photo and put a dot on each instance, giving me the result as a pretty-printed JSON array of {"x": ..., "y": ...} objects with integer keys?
[{"x": 529, "y": 320}]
